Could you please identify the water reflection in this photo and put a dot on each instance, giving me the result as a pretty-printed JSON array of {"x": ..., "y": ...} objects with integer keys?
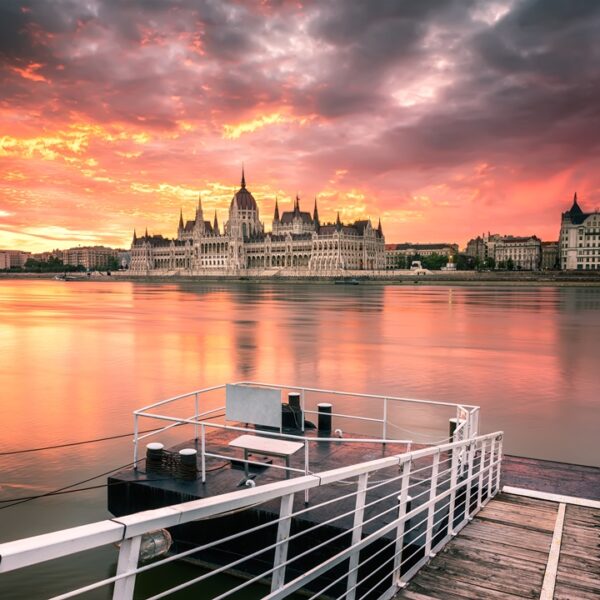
[{"x": 79, "y": 357}]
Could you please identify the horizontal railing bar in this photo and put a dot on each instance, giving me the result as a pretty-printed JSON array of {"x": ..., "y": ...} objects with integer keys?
[
  {"x": 355, "y": 417},
  {"x": 254, "y": 462},
  {"x": 180, "y": 397},
  {"x": 354, "y": 394},
  {"x": 272, "y": 433}
]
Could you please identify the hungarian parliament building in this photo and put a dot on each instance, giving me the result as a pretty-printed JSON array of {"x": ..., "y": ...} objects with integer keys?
[{"x": 298, "y": 242}]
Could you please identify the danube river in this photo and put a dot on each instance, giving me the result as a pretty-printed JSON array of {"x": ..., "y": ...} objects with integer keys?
[{"x": 78, "y": 357}]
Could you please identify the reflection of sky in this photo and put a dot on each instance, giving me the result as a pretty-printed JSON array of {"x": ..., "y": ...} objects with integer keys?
[
  {"x": 82, "y": 356},
  {"x": 445, "y": 122}
]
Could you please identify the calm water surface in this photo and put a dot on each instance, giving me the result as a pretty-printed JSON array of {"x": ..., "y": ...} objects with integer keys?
[{"x": 77, "y": 358}]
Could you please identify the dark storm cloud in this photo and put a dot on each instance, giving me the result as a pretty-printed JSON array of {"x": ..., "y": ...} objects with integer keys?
[{"x": 525, "y": 83}]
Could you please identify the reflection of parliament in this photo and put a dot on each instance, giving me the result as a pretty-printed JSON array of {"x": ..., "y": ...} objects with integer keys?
[{"x": 298, "y": 242}]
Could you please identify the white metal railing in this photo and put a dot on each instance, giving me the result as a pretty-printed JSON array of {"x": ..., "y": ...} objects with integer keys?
[
  {"x": 467, "y": 421},
  {"x": 386, "y": 517}
]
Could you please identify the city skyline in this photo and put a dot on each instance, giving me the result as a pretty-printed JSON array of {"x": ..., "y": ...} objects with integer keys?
[{"x": 445, "y": 119}]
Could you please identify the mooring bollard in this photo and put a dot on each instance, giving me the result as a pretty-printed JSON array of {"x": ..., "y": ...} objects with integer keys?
[
  {"x": 187, "y": 467},
  {"x": 324, "y": 424},
  {"x": 154, "y": 457},
  {"x": 294, "y": 401}
]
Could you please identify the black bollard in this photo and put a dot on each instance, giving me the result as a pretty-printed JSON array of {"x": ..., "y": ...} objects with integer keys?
[
  {"x": 154, "y": 457},
  {"x": 324, "y": 423},
  {"x": 187, "y": 467}
]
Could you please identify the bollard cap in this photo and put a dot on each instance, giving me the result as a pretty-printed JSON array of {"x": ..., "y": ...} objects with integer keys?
[
  {"x": 155, "y": 446},
  {"x": 188, "y": 452},
  {"x": 324, "y": 405}
]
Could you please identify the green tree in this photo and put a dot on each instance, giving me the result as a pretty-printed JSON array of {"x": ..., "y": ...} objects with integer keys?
[
  {"x": 434, "y": 262},
  {"x": 510, "y": 264}
]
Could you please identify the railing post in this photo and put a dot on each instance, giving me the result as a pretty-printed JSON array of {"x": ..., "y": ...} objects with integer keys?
[
  {"x": 454, "y": 464},
  {"x": 499, "y": 465},
  {"x": 306, "y": 468},
  {"x": 404, "y": 486},
  {"x": 481, "y": 468},
  {"x": 471, "y": 459},
  {"x": 431, "y": 510},
  {"x": 491, "y": 469},
  {"x": 203, "y": 452},
  {"x": 135, "y": 441},
  {"x": 302, "y": 408},
  {"x": 359, "y": 512},
  {"x": 196, "y": 412},
  {"x": 283, "y": 534},
  {"x": 129, "y": 554},
  {"x": 384, "y": 419}
]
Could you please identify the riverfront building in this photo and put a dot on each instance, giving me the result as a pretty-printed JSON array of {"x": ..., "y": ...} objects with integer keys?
[
  {"x": 524, "y": 252},
  {"x": 297, "y": 242},
  {"x": 90, "y": 257},
  {"x": 10, "y": 259},
  {"x": 579, "y": 243}
]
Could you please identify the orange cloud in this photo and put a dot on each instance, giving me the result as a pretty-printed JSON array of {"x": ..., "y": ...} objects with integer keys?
[
  {"x": 235, "y": 131},
  {"x": 30, "y": 72}
]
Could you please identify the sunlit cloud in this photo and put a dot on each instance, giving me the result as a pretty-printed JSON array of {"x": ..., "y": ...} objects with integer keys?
[
  {"x": 235, "y": 131},
  {"x": 445, "y": 123}
]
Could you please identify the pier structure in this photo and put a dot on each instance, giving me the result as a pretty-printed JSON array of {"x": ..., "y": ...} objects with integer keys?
[{"x": 358, "y": 516}]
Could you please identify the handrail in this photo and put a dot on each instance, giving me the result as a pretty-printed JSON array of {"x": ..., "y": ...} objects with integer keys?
[{"x": 36, "y": 549}]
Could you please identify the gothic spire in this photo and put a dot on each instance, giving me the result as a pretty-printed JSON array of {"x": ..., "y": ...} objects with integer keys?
[
  {"x": 297, "y": 203},
  {"x": 575, "y": 208},
  {"x": 243, "y": 178},
  {"x": 216, "y": 224},
  {"x": 276, "y": 213},
  {"x": 379, "y": 228},
  {"x": 316, "y": 212},
  {"x": 181, "y": 218},
  {"x": 338, "y": 223},
  {"x": 134, "y": 236},
  {"x": 146, "y": 235}
]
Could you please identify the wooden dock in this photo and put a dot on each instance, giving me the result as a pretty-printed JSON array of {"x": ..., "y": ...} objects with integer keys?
[{"x": 518, "y": 546}]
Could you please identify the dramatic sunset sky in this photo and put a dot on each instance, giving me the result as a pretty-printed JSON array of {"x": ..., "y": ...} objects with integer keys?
[{"x": 446, "y": 118}]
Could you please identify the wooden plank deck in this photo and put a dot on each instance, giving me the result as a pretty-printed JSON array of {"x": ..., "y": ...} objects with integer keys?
[{"x": 505, "y": 552}]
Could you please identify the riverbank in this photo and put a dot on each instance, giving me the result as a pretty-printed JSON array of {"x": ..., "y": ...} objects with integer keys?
[{"x": 519, "y": 278}]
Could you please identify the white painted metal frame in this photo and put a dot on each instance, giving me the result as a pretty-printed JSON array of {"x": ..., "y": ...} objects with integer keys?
[
  {"x": 436, "y": 492},
  {"x": 467, "y": 419}
]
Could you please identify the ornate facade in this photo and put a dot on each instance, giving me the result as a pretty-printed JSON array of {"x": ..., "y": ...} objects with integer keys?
[
  {"x": 579, "y": 243},
  {"x": 298, "y": 241}
]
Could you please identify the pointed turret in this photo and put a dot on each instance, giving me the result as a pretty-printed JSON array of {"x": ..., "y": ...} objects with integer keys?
[
  {"x": 379, "y": 228},
  {"x": 338, "y": 223},
  {"x": 180, "y": 218},
  {"x": 146, "y": 234},
  {"x": 199, "y": 222},
  {"x": 316, "y": 214},
  {"x": 134, "y": 238},
  {"x": 575, "y": 209},
  {"x": 276, "y": 213},
  {"x": 243, "y": 178},
  {"x": 216, "y": 224},
  {"x": 297, "y": 204}
]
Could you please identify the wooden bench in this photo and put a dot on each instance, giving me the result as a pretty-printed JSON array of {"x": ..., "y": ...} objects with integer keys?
[{"x": 268, "y": 446}]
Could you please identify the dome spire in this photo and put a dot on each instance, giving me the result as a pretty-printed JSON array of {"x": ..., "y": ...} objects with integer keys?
[
  {"x": 297, "y": 203},
  {"x": 243, "y": 177}
]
